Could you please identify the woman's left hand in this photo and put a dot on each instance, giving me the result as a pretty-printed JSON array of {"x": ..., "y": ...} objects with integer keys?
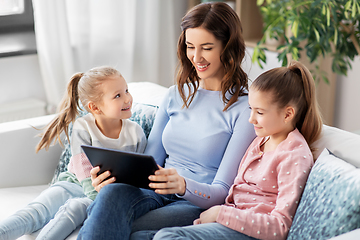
[
  {"x": 167, "y": 181},
  {"x": 208, "y": 216}
]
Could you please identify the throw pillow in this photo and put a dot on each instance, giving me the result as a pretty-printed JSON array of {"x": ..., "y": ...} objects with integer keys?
[
  {"x": 143, "y": 114},
  {"x": 330, "y": 204}
]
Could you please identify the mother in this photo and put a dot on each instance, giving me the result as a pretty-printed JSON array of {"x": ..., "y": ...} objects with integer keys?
[{"x": 200, "y": 134}]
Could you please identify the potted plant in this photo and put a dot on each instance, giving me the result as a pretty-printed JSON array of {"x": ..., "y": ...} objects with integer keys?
[{"x": 317, "y": 27}]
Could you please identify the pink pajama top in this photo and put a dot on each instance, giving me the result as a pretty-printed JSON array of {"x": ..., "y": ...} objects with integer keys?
[{"x": 265, "y": 195}]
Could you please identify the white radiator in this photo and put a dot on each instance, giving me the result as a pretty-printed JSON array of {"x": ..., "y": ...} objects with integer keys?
[{"x": 26, "y": 108}]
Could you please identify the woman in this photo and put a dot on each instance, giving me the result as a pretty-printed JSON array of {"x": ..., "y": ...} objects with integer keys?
[{"x": 199, "y": 136}]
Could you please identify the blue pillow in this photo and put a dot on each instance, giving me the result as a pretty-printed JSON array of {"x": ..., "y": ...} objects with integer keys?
[
  {"x": 330, "y": 204},
  {"x": 143, "y": 114}
]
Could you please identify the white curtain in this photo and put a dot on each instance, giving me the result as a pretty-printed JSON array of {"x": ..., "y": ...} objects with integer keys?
[{"x": 137, "y": 37}]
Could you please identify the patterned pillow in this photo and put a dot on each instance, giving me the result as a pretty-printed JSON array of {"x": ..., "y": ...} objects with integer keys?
[
  {"x": 330, "y": 204},
  {"x": 143, "y": 114}
]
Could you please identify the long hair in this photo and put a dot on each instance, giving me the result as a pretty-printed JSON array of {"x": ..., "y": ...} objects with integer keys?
[
  {"x": 223, "y": 22},
  {"x": 82, "y": 87},
  {"x": 294, "y": 85}
]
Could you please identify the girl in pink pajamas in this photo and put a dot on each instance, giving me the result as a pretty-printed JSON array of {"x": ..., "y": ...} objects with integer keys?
[{"x": 271, "y": 177}]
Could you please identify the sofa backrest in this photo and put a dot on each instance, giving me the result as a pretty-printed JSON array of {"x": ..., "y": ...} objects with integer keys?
[{"x": 342, "y": 143}]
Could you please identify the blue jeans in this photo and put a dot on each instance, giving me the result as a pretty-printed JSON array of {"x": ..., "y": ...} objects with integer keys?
[
  {"x": 66, "y": 200},
  {"x": 120, "y": 209},
  {"x": 207, "y": 231}
]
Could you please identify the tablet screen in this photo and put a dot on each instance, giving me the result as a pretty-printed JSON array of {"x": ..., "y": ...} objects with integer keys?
[{"x": 127, "y": 167}]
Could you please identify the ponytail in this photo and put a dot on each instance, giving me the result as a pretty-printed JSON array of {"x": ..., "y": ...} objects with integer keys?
[
  {"x": 309, "y": 121},
  {"x": 294, "y": 85},
  {"x": 67, "y": 112}
]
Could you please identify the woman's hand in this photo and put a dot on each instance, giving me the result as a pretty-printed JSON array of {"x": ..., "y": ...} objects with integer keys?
[
  {"x": 98, "y": 181},
  {"x": 208, "y": 216},
  {"x": 167, "y": 181}
]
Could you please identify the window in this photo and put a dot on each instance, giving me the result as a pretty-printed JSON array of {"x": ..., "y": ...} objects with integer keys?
[
  {"x": 10, "y": 7},
  {"x": 16, "y": 15},
  {"x": 17, "y": 34}
]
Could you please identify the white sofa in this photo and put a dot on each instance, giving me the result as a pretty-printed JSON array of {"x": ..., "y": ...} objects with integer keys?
[{"x": 25, "y": 174}]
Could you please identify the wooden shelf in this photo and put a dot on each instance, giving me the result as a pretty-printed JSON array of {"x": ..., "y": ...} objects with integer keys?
[{"x": 251, "y": 19}]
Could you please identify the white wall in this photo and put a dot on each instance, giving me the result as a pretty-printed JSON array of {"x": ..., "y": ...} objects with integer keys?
[
  {"x": 20, "y": 79},
  {"x": 347, "y": 104},
  {"x": 253, "y": 69}
]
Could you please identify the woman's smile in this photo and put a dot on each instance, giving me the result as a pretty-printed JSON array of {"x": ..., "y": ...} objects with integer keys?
[
  {"x": 204, "y": 51},
  {"x": 202, "y": 68}
]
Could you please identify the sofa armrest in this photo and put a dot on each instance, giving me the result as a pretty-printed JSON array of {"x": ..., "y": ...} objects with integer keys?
[
  {"x": 20, "y": 165},
  {"x": 353, "y": 235}
]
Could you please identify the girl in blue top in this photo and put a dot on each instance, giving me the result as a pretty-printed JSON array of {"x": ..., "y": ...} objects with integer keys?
[{"x": 199, "y": 135}]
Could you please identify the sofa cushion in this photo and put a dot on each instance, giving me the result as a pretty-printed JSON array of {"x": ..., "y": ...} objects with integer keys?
[
  {"x": 341, "y": 143},
  {"x": 143, "y": 114},
  {"x": 330, "y": 204}
]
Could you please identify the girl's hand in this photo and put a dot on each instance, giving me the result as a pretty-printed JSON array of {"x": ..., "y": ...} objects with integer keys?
[
  {"x": 167, "y": 181},
  {"x": 98, "y": 181},
  {"x": 208, "y": 216}
]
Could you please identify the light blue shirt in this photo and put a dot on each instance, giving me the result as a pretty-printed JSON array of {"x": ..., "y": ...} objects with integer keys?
[{"x": 203, "y": 143}]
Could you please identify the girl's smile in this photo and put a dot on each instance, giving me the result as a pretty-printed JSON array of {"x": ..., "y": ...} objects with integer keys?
[
  {"x": 116, "y": 101},
  {"x": 267, "y": 118},
  {"x": 126, "y": 109}
]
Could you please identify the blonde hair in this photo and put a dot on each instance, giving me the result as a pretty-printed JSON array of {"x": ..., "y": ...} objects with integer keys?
[
  {"x": 294, "y": 85},
  {"x": 82, "y": 87}
]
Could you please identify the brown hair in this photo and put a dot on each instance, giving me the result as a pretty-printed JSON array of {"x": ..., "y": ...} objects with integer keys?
[
  {"x": 294, "y": 85},
  {"x": 223, "y": 22},
  {"x": 83, "y": 87}
]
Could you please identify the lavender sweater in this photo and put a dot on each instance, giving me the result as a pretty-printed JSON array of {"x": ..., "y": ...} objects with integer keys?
[{"x": 203, "y": 143}]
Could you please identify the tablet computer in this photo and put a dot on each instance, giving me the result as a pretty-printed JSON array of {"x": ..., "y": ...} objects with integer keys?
[{"x": 127, "y": 167}]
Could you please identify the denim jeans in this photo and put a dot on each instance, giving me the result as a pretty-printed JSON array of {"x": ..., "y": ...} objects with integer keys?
[
  {"x": 120, "y": 209},
  {"x": 207, "y": 231},
  {"x": 66, "y": 196}
]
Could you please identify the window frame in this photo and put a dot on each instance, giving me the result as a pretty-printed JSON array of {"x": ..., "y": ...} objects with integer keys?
[
  {"x": 18, "y": 22},
  {"x": 17, "y": 33}
]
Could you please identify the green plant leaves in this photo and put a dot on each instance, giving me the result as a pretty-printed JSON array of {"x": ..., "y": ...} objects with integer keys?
[
  {"x": 328, "y": 27},
  {"x": 295, "y": 28},
  {"x": 259, "y": 56}
]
